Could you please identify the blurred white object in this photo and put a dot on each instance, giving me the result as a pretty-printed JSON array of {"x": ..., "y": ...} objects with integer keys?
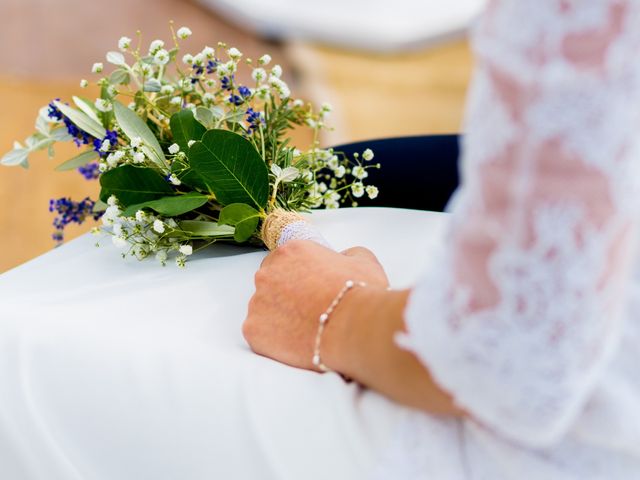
[{"x": 379, "y": 25}]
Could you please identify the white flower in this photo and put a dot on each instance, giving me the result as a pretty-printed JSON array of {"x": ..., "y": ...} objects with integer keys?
[
  {"x": 97, "y": 67},
  {"x": 298, "y": 103},
  {"x": 103, "y": 105},
  {"x": 367, "y": 154},
  {"x": 372, "y": 192},
  {"x": 111, "y": 90},
  {"x": 181, "y": 261},
  {"x": 184, "y": 32},
  {"x": 161, "y": 256},
  {"x": 187, "y": 59},
  {"x": 191, "y": 142},
  {"x": 172, "y": 223},
  {"x": 326, "y": 107},
  {"x": 136, "y": 142},
  {"x": 175, "y": 100},
  {"x": 333, "y": 162},
  {"x": 198, "y": 59},
  {"x": 340, "y": 171},
  {"x": 262, "y": 92},
  {"x": 265, "y": 59},
  {"x": 140, "y": 215},
  {"x": 175, "y": 180},
  {"x": 112, "y": 201},
  {"x": 106, "y": 145},
  {"x": 117, "y": 229},
  {"x": 124, "y": 43},
  {"x": 208, "y": 97},
  {"x": 186, "y": 249},
  {"x": 167, "y": 89},
  {"x": 119, "y": 242},
  {"x": 322, "y": 187},
  {"x": 280, "y": 87},
  {"x": 140, "y": 251},
  {"x": 138, "y": 157},
  {"x": 234, "y": 53},
  {"x": 155, "y": 46},
  {"x": 357, "y": 189},
  {"x": 158, "y": 226},
  {"x": 161, "y": 57},
  {"x": 359, "y": 172},
  {"x": 307, "y": 176},
  {"x": 276, "y": 71},
  {"x": 174, "y": 148},
  {"x": 111, "y": 214},
  {"x": 84, "y": 83},
  {"x": 112, "y": 161},
  {"x": 210, "y": 82},
  {"x": 259, "y": 74},
  {"x": 208, "y": 52}
]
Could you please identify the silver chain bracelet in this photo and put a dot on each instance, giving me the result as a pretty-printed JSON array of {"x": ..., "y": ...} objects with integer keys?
[{"x": 324, "y": 319}]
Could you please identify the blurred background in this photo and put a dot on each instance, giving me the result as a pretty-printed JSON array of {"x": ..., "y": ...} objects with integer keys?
[{"x": 388, "y": 67}]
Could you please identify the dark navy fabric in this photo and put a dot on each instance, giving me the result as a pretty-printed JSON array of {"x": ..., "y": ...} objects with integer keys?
[{"x": 417, "y": 172}]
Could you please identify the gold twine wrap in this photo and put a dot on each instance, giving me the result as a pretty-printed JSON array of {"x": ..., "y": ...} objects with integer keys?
[{"x": 273, "y": 225}]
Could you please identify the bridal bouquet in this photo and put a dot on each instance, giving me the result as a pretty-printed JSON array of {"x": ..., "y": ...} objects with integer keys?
[{"x": 186, "y": 154}]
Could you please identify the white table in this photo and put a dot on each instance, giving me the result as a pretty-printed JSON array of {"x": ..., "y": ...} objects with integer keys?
[{"x": 119, "y": 369}]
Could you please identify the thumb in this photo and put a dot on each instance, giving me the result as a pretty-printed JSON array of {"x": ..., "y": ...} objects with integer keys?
[{"x": 362, "y": 253}]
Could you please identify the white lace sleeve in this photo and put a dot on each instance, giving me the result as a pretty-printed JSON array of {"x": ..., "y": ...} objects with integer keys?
[{"x": 522, "y": 307}]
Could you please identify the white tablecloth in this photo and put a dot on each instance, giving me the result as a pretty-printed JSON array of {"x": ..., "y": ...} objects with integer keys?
[{"x": 117, "y": 369}]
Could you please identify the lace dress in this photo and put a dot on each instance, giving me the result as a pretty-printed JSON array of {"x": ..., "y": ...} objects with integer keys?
[{"x": 528, "y": 316}]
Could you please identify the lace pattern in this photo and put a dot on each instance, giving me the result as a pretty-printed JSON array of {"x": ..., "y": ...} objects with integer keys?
[{"x": 522, "y": 307}]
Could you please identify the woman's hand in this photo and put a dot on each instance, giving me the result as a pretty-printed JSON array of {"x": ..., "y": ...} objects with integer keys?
[{"x": 294, "y": 285}]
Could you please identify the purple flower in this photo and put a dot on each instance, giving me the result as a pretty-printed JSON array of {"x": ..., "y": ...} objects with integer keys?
[
  {"x": 68, "y": 212},
  {"x": 90, "y": 171}
]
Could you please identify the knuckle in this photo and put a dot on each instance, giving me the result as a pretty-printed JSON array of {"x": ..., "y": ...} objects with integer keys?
[
  {"x": 248, "y": 330},
  {"x": 260, "y": 277}
]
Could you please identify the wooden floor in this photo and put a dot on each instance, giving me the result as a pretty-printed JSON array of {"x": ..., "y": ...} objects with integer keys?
[{"x": 373, "y": 96}]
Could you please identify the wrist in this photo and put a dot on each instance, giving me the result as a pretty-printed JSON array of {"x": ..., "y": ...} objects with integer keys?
[{"x": 364, "y": 317}]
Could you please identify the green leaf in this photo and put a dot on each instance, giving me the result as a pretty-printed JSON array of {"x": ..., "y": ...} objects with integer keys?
[
  {"x": 119, "y": 77},
  {"x": 78, "y": 161},
  {"x": 152, "y": 85},
  {"x": 241, "y": 216},
  {"x": 202, "y": 228},
  {"x": 171, "y": 206},
  {"x": 184, "y": 128},
  {"x": 60, "y": 134},
  {"x": 133, "y": 126},
  {"x": 43, "y": 121},
  {"x": 231, "y": 167},
  {"x": 82, "y": 121},
  {"x": 41, "y": 144},
  {"x": 205, "y": 117},
  {"x": 116, "y": 58},
  {"x": 99, "y": 206},
  {"x": 19, "y": 156},
  {"x": 86, "y": 107},
  {"x": 235, "y": 117},
  {"x": 132, "y": 185}
]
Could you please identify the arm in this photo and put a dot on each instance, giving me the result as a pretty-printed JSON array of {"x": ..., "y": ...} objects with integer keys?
[
  {"x": 283, "y": 319},
  {"x": 521, "y": 307}
]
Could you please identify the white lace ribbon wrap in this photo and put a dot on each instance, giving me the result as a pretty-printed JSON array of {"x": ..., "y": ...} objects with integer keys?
[{"x": 281, "y": 227}]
